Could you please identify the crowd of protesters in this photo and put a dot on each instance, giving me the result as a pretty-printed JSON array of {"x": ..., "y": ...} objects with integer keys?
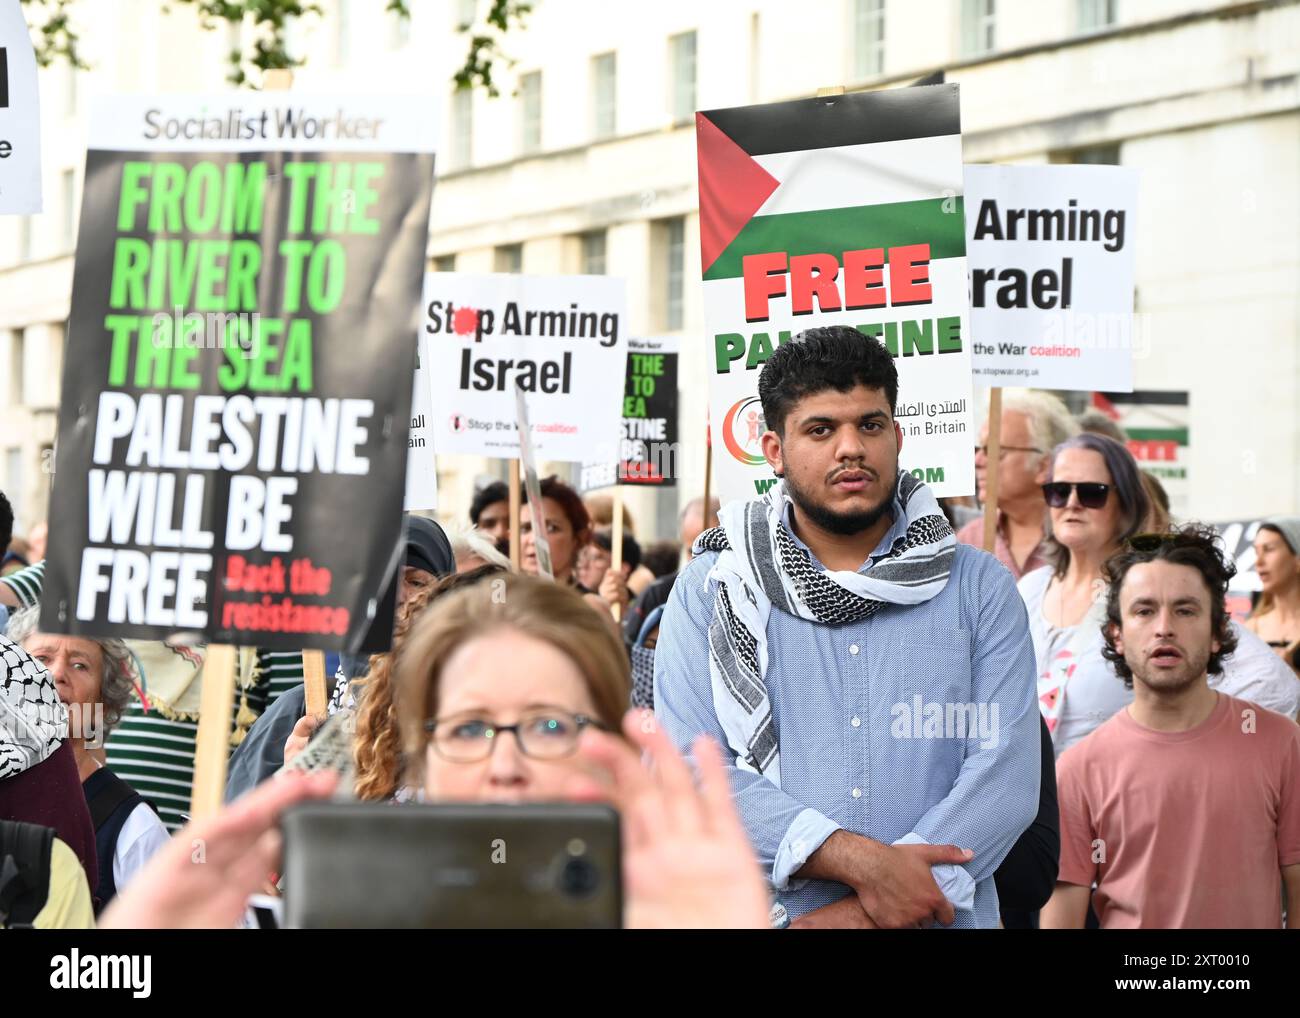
[{"x": 860, "y": 718}]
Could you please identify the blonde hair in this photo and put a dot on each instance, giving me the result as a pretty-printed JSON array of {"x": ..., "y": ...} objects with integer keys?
[{"x": 531, "y": 605}]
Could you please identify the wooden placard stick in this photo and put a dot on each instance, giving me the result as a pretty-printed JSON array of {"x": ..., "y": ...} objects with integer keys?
[
  {"x": 514, "y": 514},
  {"x": 212, "y": 744},
  {"x": 992, "y": 456},
  {"x": 616, "y": 549},
  {"x": 314, "y": 680}
]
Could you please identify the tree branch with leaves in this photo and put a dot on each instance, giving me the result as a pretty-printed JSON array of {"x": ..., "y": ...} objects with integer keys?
[{"x": 265, "y": 24}]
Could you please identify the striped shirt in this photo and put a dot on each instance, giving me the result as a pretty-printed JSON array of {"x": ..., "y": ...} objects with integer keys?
[
  {"x": 26, "y": 584},
  {"x": 155, "y": 754}
]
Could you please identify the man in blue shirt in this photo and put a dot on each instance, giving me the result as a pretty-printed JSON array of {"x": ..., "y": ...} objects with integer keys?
[{"x": 871, "y": 681}]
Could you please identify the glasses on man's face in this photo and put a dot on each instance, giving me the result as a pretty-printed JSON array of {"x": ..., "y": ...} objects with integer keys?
[
  {"x": 1003, "y": 450},
  {"x": 1092, "y": 495},
  {"x": 541, "y": 734}
]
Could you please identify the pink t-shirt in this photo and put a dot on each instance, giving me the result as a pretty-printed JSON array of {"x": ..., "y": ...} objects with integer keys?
[{"x": 1183, "y": 829}]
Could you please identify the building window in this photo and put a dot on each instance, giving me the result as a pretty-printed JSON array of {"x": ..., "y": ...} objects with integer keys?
[
  {"x": 593, "y": 253},
  {"x": 755, "y": 40},
  {"x": 444, "y": 263},
  {"x": 1095, "y": 15},
  {"x": 14, "y": 479},
  {"x": 868, "y": 38},
  {"x": 604, "y": 95},
  {"x": 674, "y": 247},
  {"x": 462, "y": 125},
  {"x": 69, "y": 182},
  {"x": 1094, "y": 155},
  {"x": 71, "y": 93},
  {"x": 17, "y": 344},
  {"x": 343, "y": 34},
  {"x": 400, "y": 28},
  {"x": 466, "y": 10},
  {"x": 530, "y": 112},
  {"x": 977, "y": 27},
  {"x": 682, "y": 61},
  {"x": 508, "y": 258}
]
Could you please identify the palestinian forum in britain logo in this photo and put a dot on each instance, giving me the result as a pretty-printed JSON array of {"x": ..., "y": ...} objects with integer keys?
[{"x": 742, "y": 430}]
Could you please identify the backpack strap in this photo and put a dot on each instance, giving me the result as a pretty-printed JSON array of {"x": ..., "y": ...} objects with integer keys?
[
  {"x": 108, "y": 792},
  {"x": 24, "y": 872}
]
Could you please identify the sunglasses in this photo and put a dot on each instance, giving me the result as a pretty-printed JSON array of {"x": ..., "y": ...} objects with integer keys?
[{"x": 1091, "y": 494}]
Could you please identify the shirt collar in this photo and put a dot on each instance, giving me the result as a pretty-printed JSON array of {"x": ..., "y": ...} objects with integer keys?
[{"x": 897, "y": 530}]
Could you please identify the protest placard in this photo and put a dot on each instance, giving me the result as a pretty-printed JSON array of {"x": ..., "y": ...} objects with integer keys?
[
  {"x": 1238, "y": 537},
  {"x": 20, "y": 115},
  {"x": 839, "y": 210},
  {"x": 421, "y": 467},
  {"x": 1157, "y": 424},
  {"x": 562, "y": 339},
  {"x": 236, "y": 397},
  {"x": 1050, "y": 253},
  {"x": 649, "y": 451}
]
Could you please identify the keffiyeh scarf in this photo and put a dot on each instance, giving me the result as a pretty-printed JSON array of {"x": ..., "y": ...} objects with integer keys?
[
  {"x": 33, "y": 721},
  {"x": 760, "y": 567}
]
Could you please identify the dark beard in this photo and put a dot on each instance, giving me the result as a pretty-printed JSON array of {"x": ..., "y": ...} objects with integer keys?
[
  {"x": 1194, "y": 670},
  {"x": 844, "y": 524}
]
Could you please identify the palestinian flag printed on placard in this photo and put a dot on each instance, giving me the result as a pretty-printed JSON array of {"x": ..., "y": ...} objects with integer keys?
[{"x": 841, "y": 210}]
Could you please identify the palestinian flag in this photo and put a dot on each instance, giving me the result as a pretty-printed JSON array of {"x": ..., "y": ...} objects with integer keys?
[{"x": 785, "y": 184}]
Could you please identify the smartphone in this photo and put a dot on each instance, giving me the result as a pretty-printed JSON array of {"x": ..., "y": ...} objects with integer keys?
[
  {"x": 473, "y": 866},
  {"x": 263, "y": 913}
]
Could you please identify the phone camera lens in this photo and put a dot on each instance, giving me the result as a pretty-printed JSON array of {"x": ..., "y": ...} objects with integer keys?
[{"x": 579, "y": 878}]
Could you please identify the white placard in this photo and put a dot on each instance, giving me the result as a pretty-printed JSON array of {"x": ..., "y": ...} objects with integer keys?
[
  {"x": 421, "y": 468},
  {"x": 20, "y": 116},
  {"x": 1050, "y": 254},
  {"x": 563, "y": 338}
]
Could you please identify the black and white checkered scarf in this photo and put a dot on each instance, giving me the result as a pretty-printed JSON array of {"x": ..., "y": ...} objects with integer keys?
[
  {"x": 33, "y": 721},
  {"x": 759, "y": 567}
]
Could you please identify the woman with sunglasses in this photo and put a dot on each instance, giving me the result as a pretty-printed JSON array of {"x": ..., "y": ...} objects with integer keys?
[{"x": 1096, "y": 502}]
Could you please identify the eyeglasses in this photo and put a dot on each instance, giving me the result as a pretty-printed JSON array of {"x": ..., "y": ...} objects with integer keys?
[
  {"x": 1091, "y": 494},
  {"x": 542, "y": 735},
  {"x": 1003, "y": 450}
]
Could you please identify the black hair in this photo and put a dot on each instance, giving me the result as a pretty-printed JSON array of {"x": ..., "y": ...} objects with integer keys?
[
  {"x": 6, "y": 523},
  {"x": 661, "y": 557},
  {"x": 1191, "y": 545},
  {"x": 631, "y": 550},
  {"x": 486, "y": 496},
  {"x": 832, "y": 357}
]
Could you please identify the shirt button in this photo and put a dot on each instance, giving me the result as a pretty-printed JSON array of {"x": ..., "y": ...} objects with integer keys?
[
  {"x": 855, "y": 721},
  {"x": 857, "y": 793},
  {"x": 853, "y": 648}
]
